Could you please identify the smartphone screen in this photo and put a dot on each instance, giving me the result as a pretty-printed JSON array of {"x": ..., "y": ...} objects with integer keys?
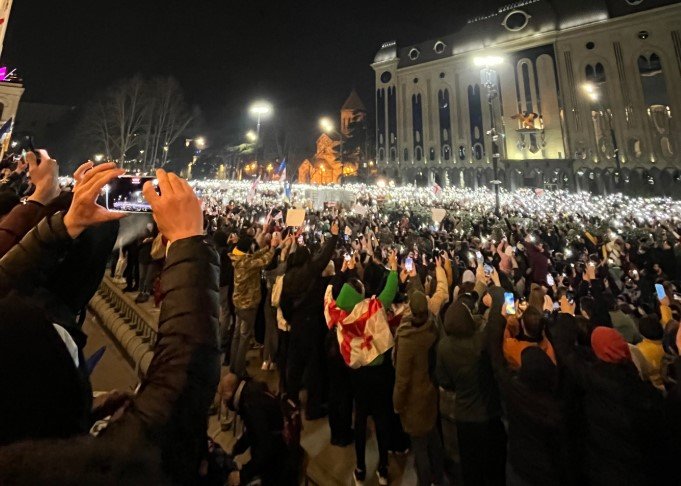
[
  {"x": 488, "y": 269},
  {"x": 549, "y": 280},
  {"x": 347, "y": 257},
  {"x": 478, "y": 255},
  {"x": 409, "y": 264},
  {"x": 570, "y": 296},
  {"x": 125, "y": 194},
  {"x": 509, "y": 303},
  {"x": 661, "y": 294}
]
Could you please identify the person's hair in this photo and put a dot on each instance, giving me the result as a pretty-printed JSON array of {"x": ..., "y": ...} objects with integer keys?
[
  {"x": 466, "y": 287},
  {"x": 588, "y": 305},
  {"x": 533, "y": 322},
  {"x": 650, "y": 327},
  {"x": 536, "y": 299},
  {"x": 584, "y": 329}
]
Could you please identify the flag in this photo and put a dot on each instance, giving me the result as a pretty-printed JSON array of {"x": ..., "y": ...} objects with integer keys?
[
  {"x": 6, "y": 128},
  {"x": 363, "y": 334},
  {"x": 253, "y": 190},
  {"x": 437, "y": 189},
  {"x": 287, "y": 190},
  {"x": 281, "y": 170}
]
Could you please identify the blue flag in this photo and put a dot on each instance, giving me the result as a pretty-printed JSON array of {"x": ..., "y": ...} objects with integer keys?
[{"x": 6, "y": 127}]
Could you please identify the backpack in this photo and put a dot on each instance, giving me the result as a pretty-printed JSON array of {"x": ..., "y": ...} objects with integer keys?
[{"x": 293, "y": 423}]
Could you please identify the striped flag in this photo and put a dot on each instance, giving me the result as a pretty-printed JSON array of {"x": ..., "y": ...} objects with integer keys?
[
  {"x": 363, "y": 334},
  {"x": 253, "y": 190},
  {"x": 281, "y": 170}
]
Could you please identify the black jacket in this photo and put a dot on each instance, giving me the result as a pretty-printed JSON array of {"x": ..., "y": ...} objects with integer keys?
[
  {"x": 263, "y": 425},
  {"x": 626, "y": 441},
  {"x": 168, "y": 416},
  {"x": 303, "y": 282},
  {"x": 537, "y": 434}
]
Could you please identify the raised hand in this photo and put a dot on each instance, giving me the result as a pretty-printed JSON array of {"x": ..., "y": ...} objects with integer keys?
[
  {"x": 80, "y": 171},
  {"x": 84, "y": 210},
  {"x": 177, "y": 210},
  {"x": 45, "y": 177}
]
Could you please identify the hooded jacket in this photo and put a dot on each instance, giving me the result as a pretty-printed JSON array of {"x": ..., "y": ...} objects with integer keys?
[
  {"x": 247, "y": 267},
  {"x": 414, "y": 395},
  {"x": 463, "y": 366}
]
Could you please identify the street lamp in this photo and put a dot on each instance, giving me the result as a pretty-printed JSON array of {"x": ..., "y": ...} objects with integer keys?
[
  {"x": 592, "y": 92},
  {"x": 489, "y": 79},
  {"x": 200, "y": 144},
  {"x": 99, "y": 157},
  {"x": 327, "y": 126},
  {"x": 251, "y": 136},
  {"x": 260, "y": 110}
]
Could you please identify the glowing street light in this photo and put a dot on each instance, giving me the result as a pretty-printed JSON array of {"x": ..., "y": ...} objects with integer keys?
[
  {"x": 487, "y": 61},
  {"x": 200, "y": 143},
  {"x": 260, "y": 109},
  {"x": 327, "y": 125},
  {"x": 251, "y": 136},
  {"x": 99, "y": 157}
]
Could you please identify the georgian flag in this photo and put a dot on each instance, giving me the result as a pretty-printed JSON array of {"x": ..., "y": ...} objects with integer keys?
[
  {"x": 363, "y": 334},
  {"x": 252, "y": 192},
  {"x": 437, "y": 189}
]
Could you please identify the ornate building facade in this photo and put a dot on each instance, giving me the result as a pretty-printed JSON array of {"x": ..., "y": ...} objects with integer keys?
[{"x": 586, "y": 95}]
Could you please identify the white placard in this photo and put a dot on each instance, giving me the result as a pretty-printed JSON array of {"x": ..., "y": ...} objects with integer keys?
[
  {"x": 438, "y": 215},
  {"x": 361, "y": 210},
  {"x": 295, "y": 217}
]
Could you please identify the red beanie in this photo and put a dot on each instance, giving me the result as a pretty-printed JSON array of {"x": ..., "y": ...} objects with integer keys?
[{"x": 609, "y": 345}]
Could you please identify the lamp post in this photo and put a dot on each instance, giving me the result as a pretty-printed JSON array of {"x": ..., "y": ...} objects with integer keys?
[
  {"x": 327, "y": 126},
  {"x": 260, "y": 110},
  {"x": 595, "y": 96},
  {"x": 200, "y": 144},
  {"x": 489, "y": 80}
]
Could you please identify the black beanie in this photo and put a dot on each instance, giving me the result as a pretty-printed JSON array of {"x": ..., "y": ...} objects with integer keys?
[
  {"x": 650, "y": 327},
  {"x": 43, "y": 394},
  {"x": 244, "y": 244}
]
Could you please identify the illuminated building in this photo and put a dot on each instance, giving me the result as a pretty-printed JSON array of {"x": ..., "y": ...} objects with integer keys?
[
  {"x": 578, "y": 83},
  {"x": 11, "y": 89}
]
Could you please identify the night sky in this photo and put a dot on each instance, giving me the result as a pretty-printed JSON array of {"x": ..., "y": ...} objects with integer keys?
[{"x": 303, "y": 54}]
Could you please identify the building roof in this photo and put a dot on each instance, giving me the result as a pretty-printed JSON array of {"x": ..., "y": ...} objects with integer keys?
[
  {"x": 511, "y": 21},
  {"x": 354, "y": 103}
]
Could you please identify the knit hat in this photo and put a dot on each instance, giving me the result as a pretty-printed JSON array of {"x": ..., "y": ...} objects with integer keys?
[
  {"x": 537, "y": 370},
  {"x": 651, "y": 328},
  {"x": 609, "y": 345},
  {"x": 244, "y": 244},
  {"x": 418, "y": 303},
  {"x": 468, "y": 276}
]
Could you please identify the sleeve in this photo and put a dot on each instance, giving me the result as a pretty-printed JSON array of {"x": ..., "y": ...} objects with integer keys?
[
  {"x": 450, "y": 274},
  {"x": 172, "y": 403},
  {"x": 495, "y": 338},
  {"x": 403, "y": 364},
  {"x": 20, "y": 220},
  {"x": 25, "y": 265},
  {"x": 261, "y": 258},
  {"x": 666, "y": 313},
  {"x": 441, "y": 374},
  {"x": 564, "y": 334},
  {"x": 441, "y": 295},
  {"x": 389, "y": 291},
  {"x": 321, "y": 260}
]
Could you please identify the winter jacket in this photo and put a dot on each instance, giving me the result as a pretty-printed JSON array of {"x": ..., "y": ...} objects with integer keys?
[
  {"x": 514, "y": 344},
  {"x": 17, "y": 223},
  {"x": 624, "y": 415},
  {"x": 537, "y": 432},
  {"x": 302, "y": 295},
  {"x": 247, "y": 268},
  {"x": 463, "y": 366},
  {"x": 441, "y": 295},
  {"x": 414, "y": 395},
  {"x": 626, "y": 326},
  {"x": 166, "y": 421},
  {"x": 539, "y": 263},
  {"x": 263, "y": 425}
]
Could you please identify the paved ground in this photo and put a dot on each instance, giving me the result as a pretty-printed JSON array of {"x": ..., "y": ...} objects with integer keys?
[{"x": 328, "y": 465}]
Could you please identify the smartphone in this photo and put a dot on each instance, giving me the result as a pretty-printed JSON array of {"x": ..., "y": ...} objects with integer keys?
[
  {"x": 409, "y": 264},
  {"x": 661, "y": 294},
  {"x": 301, "y": 240},
  {"x": 570, "y": 296},
  {"x": 488, "y": 269},
  {"x": 478, "y": 255},
  {"x": 125, "y": 194},
  {"x": 27, "y": 145},
  {"x": 550, "y": 280},
  {"x": 347, "y": 257},
  {"x": 509, "y": 303}
]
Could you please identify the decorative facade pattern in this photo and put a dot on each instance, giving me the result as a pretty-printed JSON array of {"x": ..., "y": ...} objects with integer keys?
[{"x": 588, "y": 98}]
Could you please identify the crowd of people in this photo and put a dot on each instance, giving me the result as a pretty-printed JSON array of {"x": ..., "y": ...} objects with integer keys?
[{"x": 552, "y": 325}]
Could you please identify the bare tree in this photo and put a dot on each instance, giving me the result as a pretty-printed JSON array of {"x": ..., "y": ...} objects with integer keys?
[
  {"x": 125, "y": 109},
  {"x": 166, "y": 118}
]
